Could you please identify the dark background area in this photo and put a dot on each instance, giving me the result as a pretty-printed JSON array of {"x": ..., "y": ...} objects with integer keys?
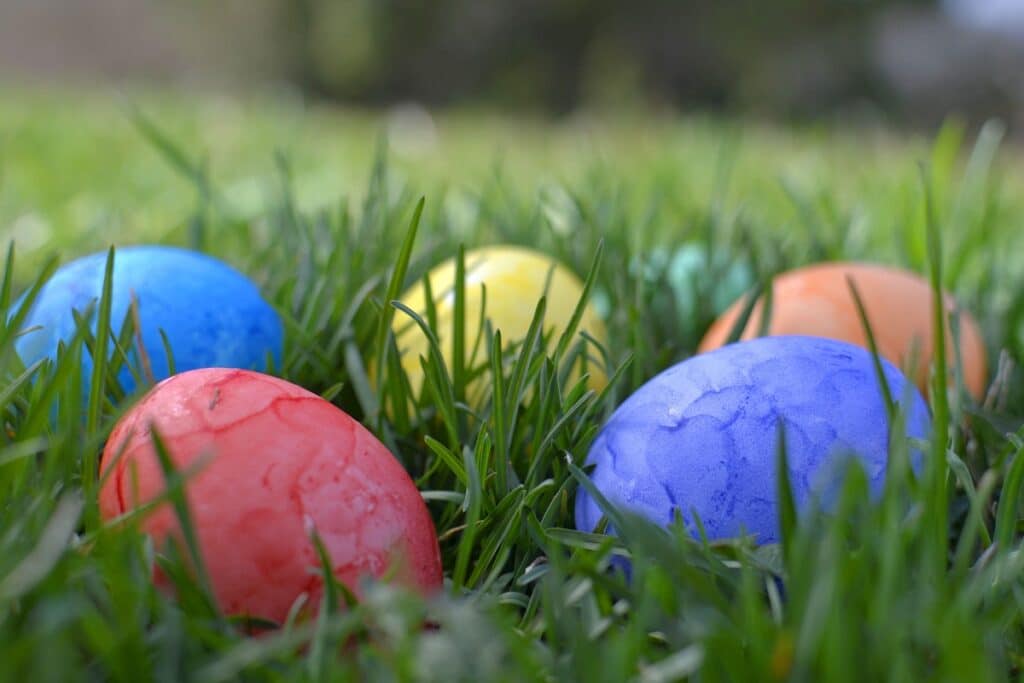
[{"x": 908, "y": 62}]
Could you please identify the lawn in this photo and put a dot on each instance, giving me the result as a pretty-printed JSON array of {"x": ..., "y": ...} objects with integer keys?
[{"x": 926, "y": 583}]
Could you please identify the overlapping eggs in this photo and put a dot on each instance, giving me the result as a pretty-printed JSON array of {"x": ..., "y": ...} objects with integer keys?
[
  {"x": 210, "y": 314},
  {"x": 816, "y": 300}
]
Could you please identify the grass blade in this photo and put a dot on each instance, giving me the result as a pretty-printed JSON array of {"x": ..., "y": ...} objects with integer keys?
[
  {"x": 784, "y": 491},
  {"x": 391, "y": 293},
  {"x": 179, "y": 500},
  {"x": 876, "y": 359}
]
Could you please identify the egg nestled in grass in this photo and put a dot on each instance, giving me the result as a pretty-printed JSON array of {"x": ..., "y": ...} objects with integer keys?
[
  {"x": 706, "y": 282},
  {"x": 816, "y": 300},
  {"x": 700, "y": 439},
  {"x": 698, "y": 281},
  {"x": 268, "y": 464},
  {"x": 515, "y": 279},
  {"x": 210, "y": 314}
]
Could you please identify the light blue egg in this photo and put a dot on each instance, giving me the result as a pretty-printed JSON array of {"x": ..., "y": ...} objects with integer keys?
[
  {"x": 702, "y": 435},
  {"x": 212, "y": 315},
  {"x": 718, "y": 280}
]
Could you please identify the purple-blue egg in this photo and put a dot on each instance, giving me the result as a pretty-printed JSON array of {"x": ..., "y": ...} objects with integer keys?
[
  {"x": 212, "y": 315},
  {"x": 702, "y": 435}
]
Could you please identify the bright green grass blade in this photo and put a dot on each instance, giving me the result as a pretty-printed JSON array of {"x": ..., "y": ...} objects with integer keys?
[
  {"x": 391, "y": 293},
  {"x": 99, "y": 356},
  {"x": 176, "y": 496},
  {"x": 876, "y": 358},
  {"x": 47, "y": 391},
  {"x": 472, "y": 506},
  {"x": 332, "y": 391},
  {"x": 437, "y": 381},
  {"x": 784, "y": 491},
  {"x": 768, "y": 302},
  {"x": 172, "y": 368},
  {"x": 458, "y": 330},
  {"x": 588, "y": 285},
  {"x": 320, "y": 655},
  {"x": 13, "y": 324},
  {"x": 752, "y": 298},
  {"x": 510, "y": 508},
  {"x": 612, "y": 513},
  {"x": 940, "y": 385},
  {"x": 499, "y": 416},
  {"x": 451, "y": 461},
  {"x": 528, "y": 353},
  {"x": 7, "y": 284},
  {"x": 1009, "y": 502}
]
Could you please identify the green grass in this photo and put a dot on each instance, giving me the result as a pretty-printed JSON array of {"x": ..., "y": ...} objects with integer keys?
[{"x": 925, "y": 584}]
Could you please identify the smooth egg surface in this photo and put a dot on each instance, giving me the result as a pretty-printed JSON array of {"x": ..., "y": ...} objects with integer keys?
[
  {"x": 515, "y": 279},
  {"x": 816, "y": 300}
]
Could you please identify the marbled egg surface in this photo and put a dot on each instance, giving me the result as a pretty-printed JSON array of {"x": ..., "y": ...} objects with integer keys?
[
  {"x": 270, "y": 464},
  {"x": 702, "y": 435},
  {"x": 212, "y": 315}
]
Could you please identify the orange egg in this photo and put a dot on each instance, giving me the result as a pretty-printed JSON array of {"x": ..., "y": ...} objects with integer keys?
[{"x": 816, "y": 301}]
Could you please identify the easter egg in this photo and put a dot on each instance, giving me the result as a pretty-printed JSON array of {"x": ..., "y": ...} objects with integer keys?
[
  {"x": 714, "y": 281},
  {"x": 515, "y": 279},
  {"x": 702, "y": 436},
  {"x": 816, "y": 300},
  {"x": 211, "y": 314},
  {"x": 270, "y": 463}
]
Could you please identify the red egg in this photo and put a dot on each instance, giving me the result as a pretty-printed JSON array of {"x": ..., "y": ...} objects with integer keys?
[{"x": 274, "y": 462}]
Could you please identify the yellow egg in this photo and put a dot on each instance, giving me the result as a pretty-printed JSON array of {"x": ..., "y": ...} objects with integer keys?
[{"x": 515, "y": 279}]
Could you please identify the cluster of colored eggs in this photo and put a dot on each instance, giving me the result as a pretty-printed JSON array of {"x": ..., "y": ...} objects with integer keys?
[
  {"x": 270, "y": 465},
  {"x": 700, "y": 439}
]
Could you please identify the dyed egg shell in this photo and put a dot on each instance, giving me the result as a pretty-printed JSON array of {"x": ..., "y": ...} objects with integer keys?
[
  {"x": 282, "y": 462},
  {"x": 698, "y": 284},
  {"x": 515, "y": 278},
  {"x": 694, "y": 276},
  {"x": 213, "y": 315},
  {"x": 702, "y": 435},
  {"x": 816, "y": 300}
]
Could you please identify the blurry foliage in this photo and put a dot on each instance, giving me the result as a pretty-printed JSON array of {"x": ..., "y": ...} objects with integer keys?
[{"x": 557, "y": 54}]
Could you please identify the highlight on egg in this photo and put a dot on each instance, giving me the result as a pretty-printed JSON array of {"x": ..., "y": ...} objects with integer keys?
[
  {"x": 816, "y": 300},
  {"x": 515, "y": 279},
  {"x": 211, "y": 315},
  {"x": 700, "y": 439},
  {"x": 269, "y": 464}
]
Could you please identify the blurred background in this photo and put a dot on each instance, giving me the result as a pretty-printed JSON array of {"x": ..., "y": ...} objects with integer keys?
[
  {"x": 908, "y": 62},
  {"x": 132, "y": 120}
]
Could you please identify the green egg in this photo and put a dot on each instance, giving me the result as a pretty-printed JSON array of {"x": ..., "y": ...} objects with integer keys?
[{"x": 706, "y": 286}]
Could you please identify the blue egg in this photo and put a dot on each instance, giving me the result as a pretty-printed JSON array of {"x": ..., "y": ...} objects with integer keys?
[
  {"x": 702, "y": 435},
  {"x": 212, "y": 315}
]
